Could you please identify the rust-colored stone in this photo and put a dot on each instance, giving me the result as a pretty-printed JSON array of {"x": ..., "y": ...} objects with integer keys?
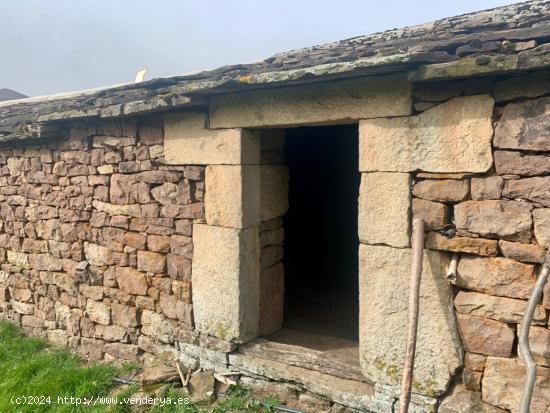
[
  {"x": 477, "y": 246},
  {"x": 485, "y": 336}
]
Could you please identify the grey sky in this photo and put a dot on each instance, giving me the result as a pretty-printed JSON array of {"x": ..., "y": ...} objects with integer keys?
[{"x": 50, "y": 46}]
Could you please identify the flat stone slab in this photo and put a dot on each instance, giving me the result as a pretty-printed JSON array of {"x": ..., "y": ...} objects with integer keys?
[
  {"x": 354, "y": 394},
  {"x": 452, "y": 137},
  {"x": 510, "y": 220},
  {"x": 495, "y": 276},
  {"x": 383, "y": 287},
  {"x": 507, "y": 310},
  {"x": 315, "y": 103}
]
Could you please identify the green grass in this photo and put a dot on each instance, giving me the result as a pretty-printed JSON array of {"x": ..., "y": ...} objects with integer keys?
[
  {"x": 238, "y": 398},
  {"x": 29, "y": 367}
]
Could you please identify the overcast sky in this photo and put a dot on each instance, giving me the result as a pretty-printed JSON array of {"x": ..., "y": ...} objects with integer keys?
[{"x": 51, "y": 46}]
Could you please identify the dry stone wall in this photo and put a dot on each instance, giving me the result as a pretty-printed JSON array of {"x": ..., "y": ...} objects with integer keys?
[
  {"x": 498, "y": 223},
  {"x": 122, "y": 244},
  {"x": 96, "y": 239}
]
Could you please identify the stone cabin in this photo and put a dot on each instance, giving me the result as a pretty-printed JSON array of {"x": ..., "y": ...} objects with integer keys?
[{"x": 256, "y": 218}]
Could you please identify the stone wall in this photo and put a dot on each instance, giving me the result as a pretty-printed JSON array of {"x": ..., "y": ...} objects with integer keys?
[
  {"x": 155, "y": 238},
  {"x": 498, "y": 224},
  {"x": 472, "y": 162},
  {"x": 96, "y": 239}
]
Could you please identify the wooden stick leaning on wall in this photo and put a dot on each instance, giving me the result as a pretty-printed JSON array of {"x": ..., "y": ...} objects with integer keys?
[
  {"x": 524, "y": 348},
  {"x": 412, "y": 322}
]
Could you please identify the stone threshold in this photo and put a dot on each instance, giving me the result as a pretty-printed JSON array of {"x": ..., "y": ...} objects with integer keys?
[
  {"x": 309, "y": 358},
  {"x": 356, "y": 395},
  {"x": 251, "y": 362},
  {"x": 314, "y": 372}
]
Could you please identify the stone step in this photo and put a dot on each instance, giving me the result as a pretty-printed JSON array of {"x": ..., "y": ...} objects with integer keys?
[
  {"x": 323, "y": 361},
  {"x": 354, "y": 394}
]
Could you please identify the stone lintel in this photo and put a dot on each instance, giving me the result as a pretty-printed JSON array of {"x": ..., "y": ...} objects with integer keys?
[{"x": 320, "y": 103}]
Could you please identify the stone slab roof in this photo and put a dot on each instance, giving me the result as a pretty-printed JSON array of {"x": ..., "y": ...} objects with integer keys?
[{"x": 500, "y": 40}]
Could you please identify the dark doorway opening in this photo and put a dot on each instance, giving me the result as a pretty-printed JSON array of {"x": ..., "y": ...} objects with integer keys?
[{"x": 321, "y": 241}]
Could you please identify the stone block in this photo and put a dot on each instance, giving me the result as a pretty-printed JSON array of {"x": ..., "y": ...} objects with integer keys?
[
  {"x": 383, "y": 287},
  {"x": 472, "y": 380},
  {"x": 126, "y": 189},
  {"x": 541, "y": 218},
  {"x": 477, "y": 246},
  {"x": 98, "y": 312},
  {"x": 531, "y": 189},
  {"x": 111, "y": 333},
  {"x": 498, "y": 276},
  {"x": 539, "y": 342},
  {"x": 523, "y": 252},
  {"x": 45, "y": 262},
  {"x": 434, "y": 214},
  {"x": 510, "y": 220},
  {"x": 232, "y": 195},
  {"x": 18, "y": 258},
  {"x": 442, "y": 190},
  {"x": 518, "y": 163},
  {"x": 273, "y": 191},
  {"x": 132, "y": 210},
  {"x": 474, "y": 362},
  {"x": 506, "y": 310},
  {"x": 524, "y": 125},
  {"x": 135, "y": 240},
  {"x": 121, "y": 351},
  {"x": 110, "y": 141},
  {"x": 22, "y": 308},
  {"x": 125, "y": 316},
  {"x": 58, "y": 338},
  {"x": 178, "y": 267},
  {"x": 158, "y": 243},
  {"x": 272, "y": 291},
  {"x": 329, "y": 102},
  {"x": 503, "y": 382},
  {"x": 272, "y": 143},
  {"x": 188, "y": 141},
  {"x": 486, "y": 188},
  {"x": 460, "y": 400},
  {"x": 526, "y": 85},
  {"x": 484, "y": 336},
  {"x": 379, "y": 224},
  {"x": 158, "y": 326},
  {"x": 131, "y": 281},
  {"x": 91, "y": 348},
  {"x": 151, "y": 262},
  {"x": 452, "y": 137},
  {"x": 226, "y": 285}
]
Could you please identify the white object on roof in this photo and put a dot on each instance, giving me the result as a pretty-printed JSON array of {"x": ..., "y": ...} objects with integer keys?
[{"x": 141, "y": 75}]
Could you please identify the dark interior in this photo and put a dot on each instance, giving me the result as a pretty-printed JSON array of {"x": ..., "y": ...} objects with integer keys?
[{"x": 321, "y": 242}]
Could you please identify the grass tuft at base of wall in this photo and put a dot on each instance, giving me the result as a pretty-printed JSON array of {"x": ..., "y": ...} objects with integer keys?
[{"x": 36, "y": 377}]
